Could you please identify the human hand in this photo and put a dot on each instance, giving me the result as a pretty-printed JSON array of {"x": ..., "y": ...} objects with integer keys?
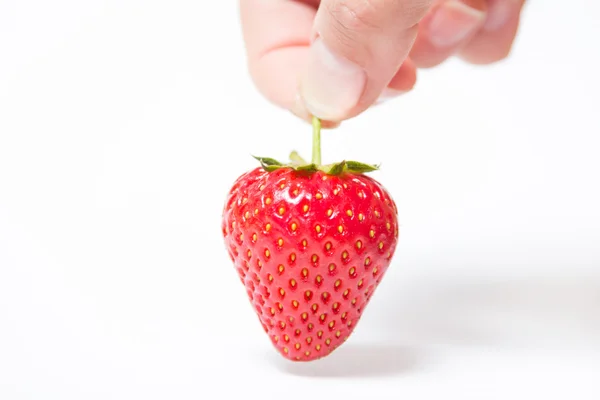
[{"x": 334, "y": 59}]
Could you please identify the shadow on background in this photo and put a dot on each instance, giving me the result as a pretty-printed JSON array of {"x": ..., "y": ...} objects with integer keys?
[
  {"x": 536, "y": 312},
  {"x": 356, "y": 360},
  {"x": 530, "y": 312}
]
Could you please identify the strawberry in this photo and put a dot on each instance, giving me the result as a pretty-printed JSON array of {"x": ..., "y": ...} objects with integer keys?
[{"x": 311, "y": 244}]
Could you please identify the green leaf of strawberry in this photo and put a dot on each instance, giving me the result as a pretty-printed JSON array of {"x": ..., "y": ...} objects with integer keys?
[
  {"x": 269, "y": 164},
  {"x": 299, "y": 164},
  {"x": 310, "y": 243}
]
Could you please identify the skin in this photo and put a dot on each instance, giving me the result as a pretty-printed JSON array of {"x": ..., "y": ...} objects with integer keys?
[{"x": 389, "y": 40}]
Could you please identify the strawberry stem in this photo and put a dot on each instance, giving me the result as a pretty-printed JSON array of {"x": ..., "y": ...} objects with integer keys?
[
  {"x": 298, "y": 163},
  {"x": 316, "y": 143}
]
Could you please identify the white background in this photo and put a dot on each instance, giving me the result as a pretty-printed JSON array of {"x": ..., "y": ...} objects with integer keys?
[{"x": 124, "y": 122}]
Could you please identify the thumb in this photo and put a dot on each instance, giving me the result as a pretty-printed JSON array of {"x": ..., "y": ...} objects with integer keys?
[{"x": 359, "y": 46}]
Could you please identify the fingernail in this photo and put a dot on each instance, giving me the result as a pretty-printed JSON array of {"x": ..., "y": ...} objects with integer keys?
[
  {"x": 332, "y": 85},
  {"x": 453, "y": 22},
  {"x": 300, "y": 111},
  {"x": 499, "y": 14}
]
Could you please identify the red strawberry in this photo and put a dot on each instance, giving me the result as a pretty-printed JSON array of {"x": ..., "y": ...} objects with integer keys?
[{"x": 310, "y": 243}]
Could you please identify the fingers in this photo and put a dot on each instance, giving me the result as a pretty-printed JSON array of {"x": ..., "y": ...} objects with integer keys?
[
  {"x": 276, "y": 35},
  {"x": 448, "y": 27},
  {"x": 336, "y": 58},
  {"x": 401, "y": 83},
  {"x": 357, "y": 49},
  {"x": 495, "y": 40},
  {"x": 478, "y": 31},
  {"x": 405, "y": 78}
]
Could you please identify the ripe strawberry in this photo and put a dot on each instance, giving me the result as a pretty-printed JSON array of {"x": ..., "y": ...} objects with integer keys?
[{"x": 310, "y": 243}]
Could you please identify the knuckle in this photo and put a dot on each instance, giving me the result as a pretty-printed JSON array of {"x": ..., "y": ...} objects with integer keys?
[
  {"x": 356, "y": 15},
  {"x": 496, "y": 52},
  {"x": 500, "y": 55},
  {"x": 361, "y": 15},
  {"x": 414, "y": 11},
  {"x": 358, "y": 29},
  {"x": 485, "y": 54}
]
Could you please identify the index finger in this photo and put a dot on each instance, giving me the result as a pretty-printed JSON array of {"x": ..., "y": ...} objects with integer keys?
[{"x": 277, "y": 35}]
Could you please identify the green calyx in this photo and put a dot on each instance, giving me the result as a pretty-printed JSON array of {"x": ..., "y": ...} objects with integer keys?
[
  {"x": 270, "y": 164},
  {"x": 299, "y": 164}
]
